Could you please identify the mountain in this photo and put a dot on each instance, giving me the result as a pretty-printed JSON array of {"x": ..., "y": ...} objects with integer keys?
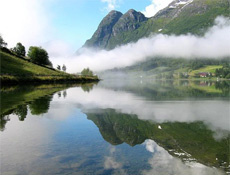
[
  {"x": 103, "y": 33},
  {"x": 179, "y": 17}
]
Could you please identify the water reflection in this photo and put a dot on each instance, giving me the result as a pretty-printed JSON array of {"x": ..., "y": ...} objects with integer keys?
[
  {"x": 41, "y": 105},
  {"x": 64, "y": 93},
  {"x": 158, "y": 111},
  {"x": 172, "y": 90},
  {"x": 112, "y": 164},
  {"x": 179, "y": 138},
  {"x": 21, "y": 112},
  {"x": 16, "y": 100},
  {"x": 148, "y": 128},
  {"x": 60, "y": 94},
  {"x": 87, "y": 87},
  {"x": 161, "y": 158}
]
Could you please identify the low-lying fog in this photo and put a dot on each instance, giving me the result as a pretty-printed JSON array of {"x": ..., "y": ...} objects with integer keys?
[{"x": 214, "y": 44}]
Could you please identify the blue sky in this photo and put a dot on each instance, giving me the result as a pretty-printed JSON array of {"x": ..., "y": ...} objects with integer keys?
[
  {"x": 62, "y": 25},
  {"x": 76, "y": 21}
]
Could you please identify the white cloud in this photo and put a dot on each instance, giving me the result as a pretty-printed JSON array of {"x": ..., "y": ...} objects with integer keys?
[
  {"x": 111, "y": 4},
  {"x": 58, "y": 48},
  {"x": 24, "y": 21},
  {"x": 30, "y": 23},
  {"x": 214, "y": 44},
  {"x": 155, "y": 6}
]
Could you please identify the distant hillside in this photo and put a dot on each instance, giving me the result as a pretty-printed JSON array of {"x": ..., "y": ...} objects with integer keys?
[
  {"x": 169, "y": 68},
  {"x": 179, "y": 17},
  {"x": 17, "y": 70}
]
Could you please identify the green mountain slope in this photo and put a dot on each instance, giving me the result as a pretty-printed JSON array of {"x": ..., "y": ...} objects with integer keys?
[{"x": 180, "y": 17}]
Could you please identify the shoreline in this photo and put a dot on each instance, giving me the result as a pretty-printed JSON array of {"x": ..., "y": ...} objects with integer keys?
[{"x": 12, "y": 80}]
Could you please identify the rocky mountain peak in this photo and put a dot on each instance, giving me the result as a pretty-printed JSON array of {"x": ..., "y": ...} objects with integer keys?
[
  {"x": 129, "y": 21},
  {"x": 112, "y": 17},
  {"x": 134, "y": 15},
  {"x": 179, "y": 17},
  {"x": 114, "y": 13}
]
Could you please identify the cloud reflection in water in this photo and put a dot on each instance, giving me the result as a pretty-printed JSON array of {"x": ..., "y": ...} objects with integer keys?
[{"x": 162, "y": 163}]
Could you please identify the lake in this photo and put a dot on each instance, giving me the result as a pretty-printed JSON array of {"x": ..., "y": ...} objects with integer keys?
[{"x": 139, "y": 127}]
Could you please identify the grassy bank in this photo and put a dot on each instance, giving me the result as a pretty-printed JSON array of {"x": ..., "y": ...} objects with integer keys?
[{"x": 16, "y": 70}]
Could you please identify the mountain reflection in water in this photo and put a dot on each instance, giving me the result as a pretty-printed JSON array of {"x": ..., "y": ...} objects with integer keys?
[{"x": 130, "y": 128}]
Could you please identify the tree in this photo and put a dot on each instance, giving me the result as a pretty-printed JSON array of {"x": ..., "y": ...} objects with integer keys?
[
  {"x": 2, "y": 42},
  {"x": 39, "y": 55},
  {"x": 58, "y": 67},
  {"x": 19, "y": 49},
  {"x": 87, "y": 72},
  {"x": 64, "y": 68}
]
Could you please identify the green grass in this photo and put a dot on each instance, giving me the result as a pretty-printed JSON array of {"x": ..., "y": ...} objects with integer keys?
[
  {"x": 210, "y": 69},
  {"x": 15, "y": 69},
  {"x": 13, "y": 65}
]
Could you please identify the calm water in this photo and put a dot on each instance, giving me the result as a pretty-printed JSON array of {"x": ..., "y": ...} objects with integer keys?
[{"x": 130, "y": 128}]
